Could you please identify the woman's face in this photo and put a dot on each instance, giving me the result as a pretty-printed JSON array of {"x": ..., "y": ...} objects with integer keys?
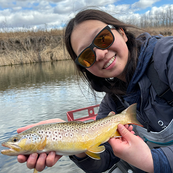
[{"x": 110, "y": 62}]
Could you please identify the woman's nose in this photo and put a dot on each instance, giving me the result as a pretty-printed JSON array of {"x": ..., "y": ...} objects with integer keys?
[{"x": 100, "y": 54}]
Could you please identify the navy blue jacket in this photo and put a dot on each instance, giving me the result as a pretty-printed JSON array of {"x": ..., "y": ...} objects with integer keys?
[{"x": 151, "y": 109}]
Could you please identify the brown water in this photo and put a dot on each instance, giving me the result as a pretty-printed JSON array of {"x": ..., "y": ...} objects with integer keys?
[{"x": 37, "y": 92}]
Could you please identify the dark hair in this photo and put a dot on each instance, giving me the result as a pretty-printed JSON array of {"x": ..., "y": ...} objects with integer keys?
[{"x": 97, "y": 83}]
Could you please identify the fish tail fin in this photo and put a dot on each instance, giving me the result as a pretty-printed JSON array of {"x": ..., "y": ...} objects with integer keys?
[{"x": 131, "y": 114}]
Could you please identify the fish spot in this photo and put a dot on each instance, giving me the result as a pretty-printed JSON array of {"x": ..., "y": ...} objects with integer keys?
[{"x": 60, "y": 137}]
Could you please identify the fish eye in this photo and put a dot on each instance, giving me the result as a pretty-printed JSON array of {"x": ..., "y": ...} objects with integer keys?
[{"x": 15, "y": 140}]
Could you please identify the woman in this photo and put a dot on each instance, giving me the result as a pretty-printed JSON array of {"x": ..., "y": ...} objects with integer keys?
[{"x": 112, "y": 60}]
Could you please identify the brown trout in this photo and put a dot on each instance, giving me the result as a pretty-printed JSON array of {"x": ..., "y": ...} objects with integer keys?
[{"x": 70, "y": 138}]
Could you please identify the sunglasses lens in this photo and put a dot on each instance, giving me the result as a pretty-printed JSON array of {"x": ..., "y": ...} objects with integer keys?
[
  {"x": 104, "y": 39},
  {"x": 87, "y": 58}
]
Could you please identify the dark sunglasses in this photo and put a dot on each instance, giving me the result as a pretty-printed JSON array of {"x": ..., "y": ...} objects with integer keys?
[{"x": 103, "y": 40}]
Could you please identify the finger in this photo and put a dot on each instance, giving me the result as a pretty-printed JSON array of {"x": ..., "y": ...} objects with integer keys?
[
  {"x": 132, "y": 132},
  {"x": 57, "y": 157},
  {"x": 41, "y": 162},
  {"x": 124, "y": 132},
  {"x": 25, "y": 128},
  {"x": 52, "y": 159},
  {"x": 31, "y": 162},
  {"x": 51, "y": 121},
  {"x": 115, "y": 141},
  {"x": 130, "y": 128},
  {"x": 22, "y": 158},
  {"x": 41, "y": 122}
]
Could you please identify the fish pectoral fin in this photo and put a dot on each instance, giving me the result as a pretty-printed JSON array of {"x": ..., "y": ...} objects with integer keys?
[
  {"x": 42, "y": 145},
  {"x": 35, "y": 171},
  {"x": 97, "y": 149},
  {"x": 93, "y": 155}
]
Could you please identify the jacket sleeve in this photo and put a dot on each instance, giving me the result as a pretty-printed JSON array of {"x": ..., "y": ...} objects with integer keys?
[
  {"x": 165, "y": 55},
  {"x": 160, "y": 159},
  {"x": 108, "y": 159}
]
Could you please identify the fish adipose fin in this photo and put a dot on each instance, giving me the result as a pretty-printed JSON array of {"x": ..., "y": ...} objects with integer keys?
[{"x": 112, "y": 113}]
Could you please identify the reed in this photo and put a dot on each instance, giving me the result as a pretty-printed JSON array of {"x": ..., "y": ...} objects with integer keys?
[
  {"x": 30, "y": 47},
  {"x": 165, "y": 31}
]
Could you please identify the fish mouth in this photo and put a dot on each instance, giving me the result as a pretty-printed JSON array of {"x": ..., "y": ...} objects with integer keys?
[{"x": 13, "y": 148}]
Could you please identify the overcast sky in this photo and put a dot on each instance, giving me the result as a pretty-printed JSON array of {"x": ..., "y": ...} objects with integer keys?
[{"x": 56, "y": 13}]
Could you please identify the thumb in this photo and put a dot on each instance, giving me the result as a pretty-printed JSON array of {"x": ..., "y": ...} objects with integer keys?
[{"x": 124, "y": 132}]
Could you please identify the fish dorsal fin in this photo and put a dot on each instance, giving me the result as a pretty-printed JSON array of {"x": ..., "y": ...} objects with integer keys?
[
  {"x": 93, "y": 155},
  {"x": 111, "y": 113},
  {"x": 97, "y": 149}
]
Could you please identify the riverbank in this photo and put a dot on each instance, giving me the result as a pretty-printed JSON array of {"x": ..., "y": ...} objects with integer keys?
[
  {"x": 39, "y": 46},
  {"x": 31, "y": 47}
]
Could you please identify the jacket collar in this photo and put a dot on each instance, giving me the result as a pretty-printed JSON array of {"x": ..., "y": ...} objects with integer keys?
[{"x": 146, "y": 51}]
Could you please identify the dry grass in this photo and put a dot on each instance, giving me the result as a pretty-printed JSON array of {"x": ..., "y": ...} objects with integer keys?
[
  {"x": 30, "y": 46},
  {"x": 165, "y": 31}
]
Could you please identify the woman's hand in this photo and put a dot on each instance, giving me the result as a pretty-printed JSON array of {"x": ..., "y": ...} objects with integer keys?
[
  {"x": 39, "y": 162},
  {"x": 132, "y": 149}
]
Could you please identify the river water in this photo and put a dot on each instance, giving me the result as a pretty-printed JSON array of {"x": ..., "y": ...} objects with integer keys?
[{"x": 36, "y": 92}]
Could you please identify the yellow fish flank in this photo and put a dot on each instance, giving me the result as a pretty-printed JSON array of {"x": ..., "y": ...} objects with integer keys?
[{"x": 70, "y": 138}]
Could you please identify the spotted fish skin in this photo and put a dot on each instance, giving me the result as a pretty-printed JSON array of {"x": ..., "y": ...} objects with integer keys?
[{"x": 70, "y": 138}]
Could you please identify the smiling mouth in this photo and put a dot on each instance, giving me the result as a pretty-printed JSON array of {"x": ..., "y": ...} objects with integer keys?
[{"x": 110, "y": 62}]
